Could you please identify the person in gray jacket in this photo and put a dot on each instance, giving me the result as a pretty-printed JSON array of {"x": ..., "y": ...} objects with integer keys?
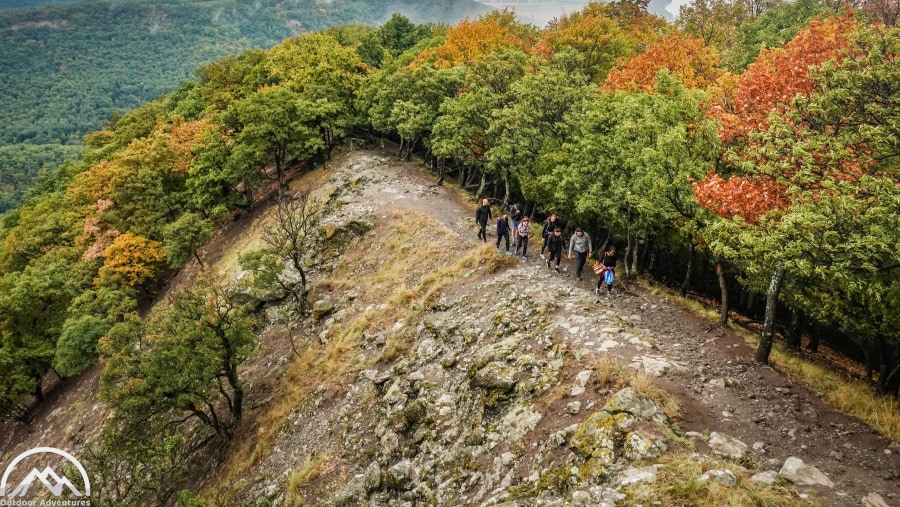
[{"x": 581, "y": 244}]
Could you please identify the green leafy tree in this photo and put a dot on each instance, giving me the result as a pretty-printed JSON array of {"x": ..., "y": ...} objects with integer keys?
[
  {"x": 183, "y": 362},
  {"x": 277, "y": 124},
  {"x": 183, "y": 237}
]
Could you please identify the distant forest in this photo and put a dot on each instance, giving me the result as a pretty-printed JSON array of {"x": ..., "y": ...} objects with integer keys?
[{"x": 65, "y": 70}]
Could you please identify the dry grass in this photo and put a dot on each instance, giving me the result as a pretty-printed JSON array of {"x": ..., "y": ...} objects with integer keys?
[
  {"x": 315, "y": 466},
  {"x": 850, "y": 396},
  {"x": 678, "y": 484}
]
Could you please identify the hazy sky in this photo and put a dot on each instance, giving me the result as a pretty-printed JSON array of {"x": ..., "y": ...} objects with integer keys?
[{"x": 539, "y": 12}]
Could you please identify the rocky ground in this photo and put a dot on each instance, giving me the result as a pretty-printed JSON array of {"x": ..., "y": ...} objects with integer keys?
[
  {"x": 505, "y": 395},
  {"x": 513, "y": 386}
]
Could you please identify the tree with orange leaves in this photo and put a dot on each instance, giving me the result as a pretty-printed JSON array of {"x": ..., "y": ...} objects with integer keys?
[
  {"x": 603, "y": 34},
  {"x": 131, "y": 261},
  {"x": 777, "y": 76},
  {"x": 470, "y": 40},
  {"x": 689, "y": 57}
]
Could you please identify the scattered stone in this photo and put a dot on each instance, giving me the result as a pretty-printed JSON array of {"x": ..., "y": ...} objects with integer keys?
[
  {"x": 768, "y": 478},
  {"x": 495, "y": 375},
  {"x": 729, "y": 447},
  {"x": 801, "y": 474},
  {"x": 723, "y": 477},
  {"x": 581, "y": 498},
  {"x": 874, "y": 500},
  {"x": 353, "y": 494},
  {"x": 636, "y": 475},
  {"x": 400, "y": 475},
  {"x": 573, "y": 408},
  {"x": 631, "y": 401},
  {"x": 581, "y": 381}
]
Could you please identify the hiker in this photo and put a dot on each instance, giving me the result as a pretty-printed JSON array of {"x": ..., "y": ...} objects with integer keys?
[
  {"x": 548, "y": 227},
  {"x": 554, "y": 245},
  {"x": 515, "y": 217},
  {"x": 522, "y": 232},
  {"x": 482, "y": 216},
  {"x": 503, "y": 232},
  {"x": 581, "y": 244},
  {"x": 607, "y": 271}
]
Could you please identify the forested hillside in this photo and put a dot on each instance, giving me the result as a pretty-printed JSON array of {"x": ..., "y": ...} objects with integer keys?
[
  {"x": 66, "y": 69},
  {"x": 694, "y": 150}
]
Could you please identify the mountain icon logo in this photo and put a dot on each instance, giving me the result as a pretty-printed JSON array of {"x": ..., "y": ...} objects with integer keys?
[{"x": 54, "y": 483}]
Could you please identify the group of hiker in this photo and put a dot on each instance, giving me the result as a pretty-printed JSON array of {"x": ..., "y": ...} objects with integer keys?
[{"x": 517, "y": 224}]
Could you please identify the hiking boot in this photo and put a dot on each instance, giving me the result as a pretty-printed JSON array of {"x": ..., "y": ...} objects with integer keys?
[
  {"x": 543, "y": 257},
  {"x": 499, "y": 251},
  {"x": 524, "y": 258},
  {"x": 508, "y": 252},
  {"x": 548, "y": 263},
  {"x": 557, "y": 269}
]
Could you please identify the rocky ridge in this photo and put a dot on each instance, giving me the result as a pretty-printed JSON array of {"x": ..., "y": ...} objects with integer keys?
[{"x": 504, "y": 396}]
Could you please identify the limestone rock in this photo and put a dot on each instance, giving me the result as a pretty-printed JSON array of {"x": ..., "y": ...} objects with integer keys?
[
  {"x": 874, "y": 500},
  {"x": 729, "y": 447},
  {"x": 636, "y": 403},
  {"x": 637, "y": 475},
  {"x": 353, "y": 494},
  {"x": 495, "y": 375},
  {"x": 723, "y": 477},
  {"x": 400, "y": 475},
  {"x": 768, "y": 478},
  {"x": 598, "y": 436},
  {"x": 321, "y": 309},
  {"x": 801, "y": 474}
]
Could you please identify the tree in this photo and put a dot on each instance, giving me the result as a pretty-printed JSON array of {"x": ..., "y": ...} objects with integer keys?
[
  {"x": 183, "y": 237},
  {"x": 694, "y": 61},
  {"x": 285, "y": 237},
  {"x": 470, "y": 40},
  {"x": 278, "y": 124},
  {"x": 130, "y": 261},
  {"x": 183, "y": 362},
  {"x": 835, "y": 157}
]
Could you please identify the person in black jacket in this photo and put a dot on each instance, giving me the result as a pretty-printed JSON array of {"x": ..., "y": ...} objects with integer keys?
[
  {"x": 607, "y": 271},
  {"x": 515, "y": 217},
  {"x": 547, "y": 228},
  {"x": 554, "y": 245},
  {"x": 482, "y": 216},
  {"x": 503, "y": 232}
]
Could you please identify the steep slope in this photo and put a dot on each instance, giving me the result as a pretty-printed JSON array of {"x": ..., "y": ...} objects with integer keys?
[{"x": 435, "y": 371}]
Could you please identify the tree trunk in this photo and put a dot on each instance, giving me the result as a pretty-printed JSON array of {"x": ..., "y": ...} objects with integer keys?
[
  {"x": 506, "y": 193},
  {"x": 767, "y": 337},
  {"x": 794, "y": 331},
  {"x": 687, "y": 276},
  {"x": 627, "y": 250},
  {"x": 480, "y": 193},
  {"x": 723, "y": 287},
  {"x": 634, "y": 257},
  {"x": 889, "y": 374},
  {"x": 814, "y": 338},
  {"x": 440, "y": 165},
  {"x": 400, "y": 150}
]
